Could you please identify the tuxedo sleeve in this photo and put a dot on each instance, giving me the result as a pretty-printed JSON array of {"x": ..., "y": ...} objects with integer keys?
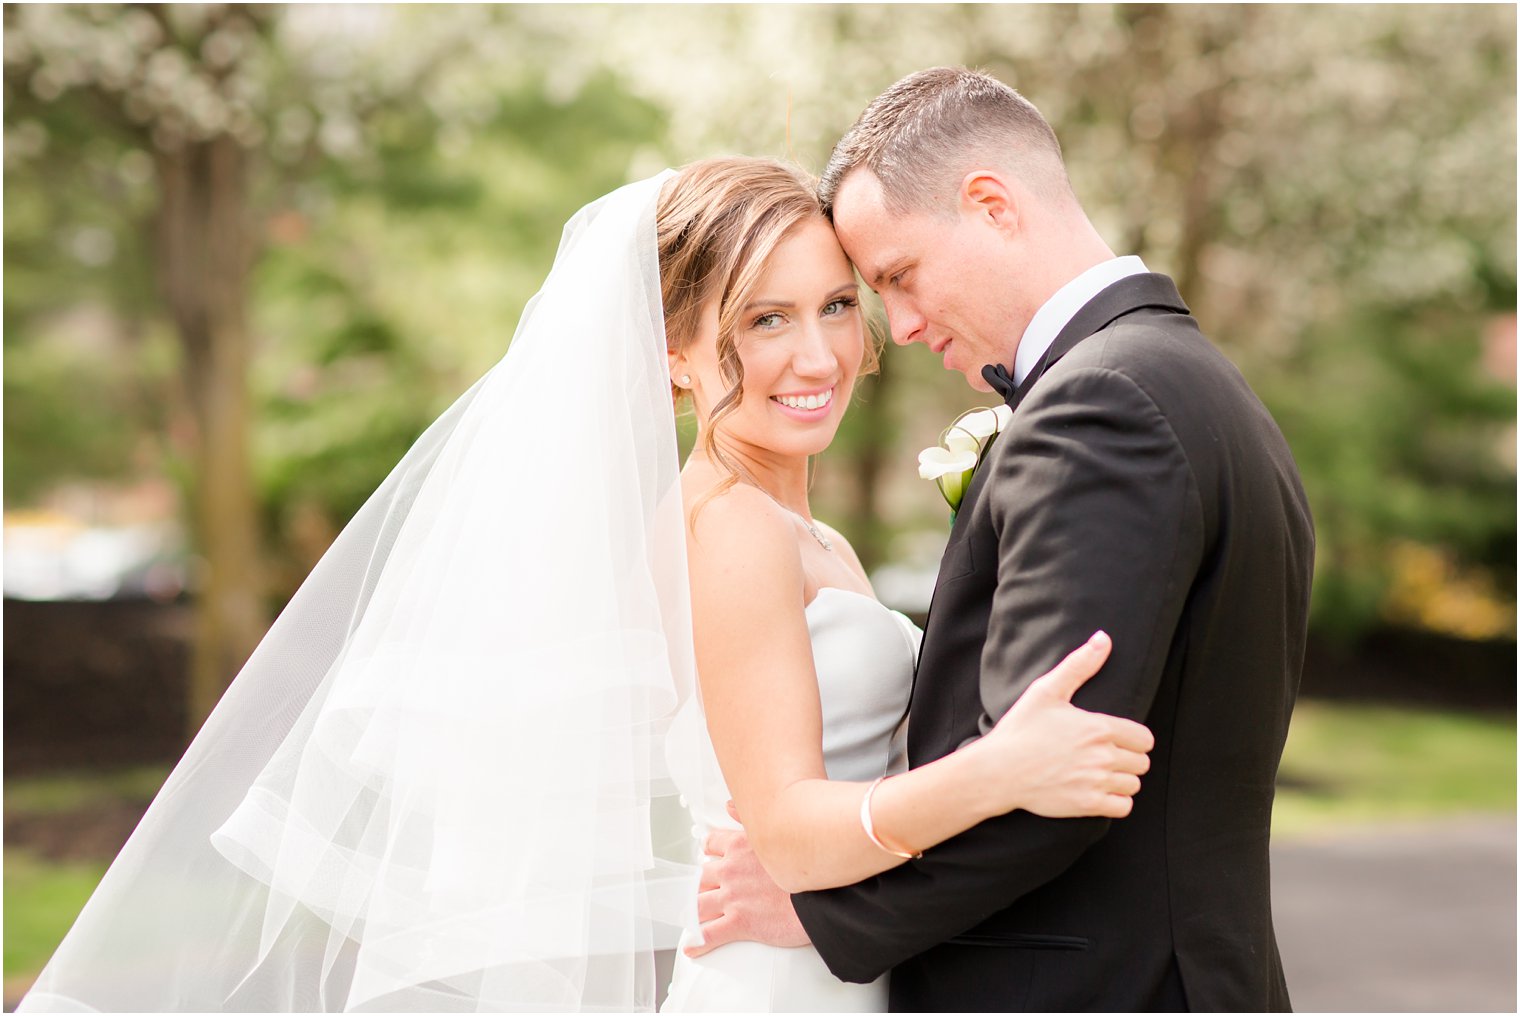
[{"x": 1098, "y": 524}]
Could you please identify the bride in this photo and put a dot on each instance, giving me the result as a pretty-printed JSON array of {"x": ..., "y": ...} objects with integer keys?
[{"x": 470, "y": 766}]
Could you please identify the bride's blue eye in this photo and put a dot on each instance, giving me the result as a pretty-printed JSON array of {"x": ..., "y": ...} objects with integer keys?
[
  {"x": 840, "y": 305},
  {"x": 770, "y": 320}
]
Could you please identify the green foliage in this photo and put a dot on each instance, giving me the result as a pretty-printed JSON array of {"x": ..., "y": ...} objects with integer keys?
[
  {"x": 404, "y": 283},
  {"x": 1335, "y": 196},
  {"x": 1399, "y": 434},
  {"x": 390, "y": 269},
  {"x": 76, "y": 409}
]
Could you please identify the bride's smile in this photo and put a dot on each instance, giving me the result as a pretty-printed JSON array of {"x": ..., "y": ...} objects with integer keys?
[{"x": 809, "y": 406}]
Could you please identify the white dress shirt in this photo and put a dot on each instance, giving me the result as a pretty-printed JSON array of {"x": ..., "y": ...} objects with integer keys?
[{"x": 1057, "y": 312}]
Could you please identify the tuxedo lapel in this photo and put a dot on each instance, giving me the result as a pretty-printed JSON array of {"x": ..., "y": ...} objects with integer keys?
[{"x": 1126, "y": 296}]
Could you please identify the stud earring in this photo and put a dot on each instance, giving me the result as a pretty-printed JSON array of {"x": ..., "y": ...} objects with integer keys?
[{"x": 686, "y": 380}]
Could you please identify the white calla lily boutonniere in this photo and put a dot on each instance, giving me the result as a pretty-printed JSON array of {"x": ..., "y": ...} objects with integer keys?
[{"x": 952, "y": 462}]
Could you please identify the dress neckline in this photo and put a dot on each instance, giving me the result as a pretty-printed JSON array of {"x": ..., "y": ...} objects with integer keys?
[{"x": 847, "y": 592}]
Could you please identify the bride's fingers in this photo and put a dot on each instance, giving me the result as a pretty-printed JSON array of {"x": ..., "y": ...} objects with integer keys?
[
  {"x": 1071, "y": 673},
  {"x": 1127, "y": 784},
  {"x": 1135, "y": 762},
  {"x": 1128, "y": 734},
  {"x": 1116, "y": 806}
]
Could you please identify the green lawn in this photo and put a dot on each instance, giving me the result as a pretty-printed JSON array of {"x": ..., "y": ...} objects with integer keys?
[
  {"x": 43, "y": 896},
  {"x": 1351, "y": 764},
  {"x": 1344, "y": 765},
  {"x": 41, "y": 899}
]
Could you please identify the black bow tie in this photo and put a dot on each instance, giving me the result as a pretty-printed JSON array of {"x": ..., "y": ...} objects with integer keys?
[{"x": 996, "y": 375}]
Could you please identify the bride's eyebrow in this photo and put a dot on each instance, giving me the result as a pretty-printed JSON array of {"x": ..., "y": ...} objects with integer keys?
[
  {"x": 774, "y": 304},
  {"x": 753, "y": 305}
]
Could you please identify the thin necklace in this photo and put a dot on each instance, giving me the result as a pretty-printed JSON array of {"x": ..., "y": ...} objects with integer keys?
[{"x": 822, "y": 540}]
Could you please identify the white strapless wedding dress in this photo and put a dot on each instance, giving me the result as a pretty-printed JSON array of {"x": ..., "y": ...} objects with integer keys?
[{"x": 864, "y": 655}]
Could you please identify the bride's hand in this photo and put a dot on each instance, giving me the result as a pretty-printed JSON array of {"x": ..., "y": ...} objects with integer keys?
[{"x": 1060, "y": 761}]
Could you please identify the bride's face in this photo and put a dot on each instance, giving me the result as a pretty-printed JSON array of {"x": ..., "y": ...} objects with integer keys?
[{"x": 800, "y": 339}]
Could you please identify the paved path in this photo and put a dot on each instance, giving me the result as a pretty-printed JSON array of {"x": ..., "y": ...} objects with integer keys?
[{"x": 1417, "y": 918}]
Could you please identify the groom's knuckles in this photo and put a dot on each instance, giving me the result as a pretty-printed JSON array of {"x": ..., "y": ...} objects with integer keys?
[
  {"x": 709, "y": 905},
  {"x": 720, "y": 932},
  {"x": 720, "y": 841}
]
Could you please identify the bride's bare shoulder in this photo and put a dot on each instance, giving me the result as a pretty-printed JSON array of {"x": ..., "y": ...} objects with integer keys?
[{"x": 735, "y": 532}]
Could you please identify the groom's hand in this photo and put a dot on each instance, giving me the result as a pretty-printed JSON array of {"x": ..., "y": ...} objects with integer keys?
[{"x": 737, "y": 901}]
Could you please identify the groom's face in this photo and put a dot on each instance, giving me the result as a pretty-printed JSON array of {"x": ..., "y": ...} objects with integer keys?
[{"x": 945, "y": 278}]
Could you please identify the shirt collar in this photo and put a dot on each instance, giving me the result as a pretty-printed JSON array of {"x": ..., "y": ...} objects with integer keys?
[{"x": 1058, "y": 311}]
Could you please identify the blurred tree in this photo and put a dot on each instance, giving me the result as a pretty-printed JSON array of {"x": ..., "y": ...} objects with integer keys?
[
  {"x": 202, "y": 128},
  {"x": 194, "y": 88},
  {"x": 1334, "y": 192},
  {"x": 394, "y": 288},
  {"x": 171, "y": 83}
]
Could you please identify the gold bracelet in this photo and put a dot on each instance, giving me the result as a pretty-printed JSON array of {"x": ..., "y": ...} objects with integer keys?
[{"x": 865, "y": 823}]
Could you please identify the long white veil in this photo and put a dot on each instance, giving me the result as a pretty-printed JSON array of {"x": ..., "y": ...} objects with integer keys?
[{"x": 438, "y": 783}]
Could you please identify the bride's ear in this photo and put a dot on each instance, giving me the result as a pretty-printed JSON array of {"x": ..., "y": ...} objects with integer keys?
[{"x": 680, "y": 374}]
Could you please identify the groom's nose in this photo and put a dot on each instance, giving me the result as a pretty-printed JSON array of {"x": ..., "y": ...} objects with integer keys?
[{"x": 904, "y": 320}]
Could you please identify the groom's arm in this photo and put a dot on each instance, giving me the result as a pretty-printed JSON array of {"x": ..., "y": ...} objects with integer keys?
[{"x": 1099, "y": 525}]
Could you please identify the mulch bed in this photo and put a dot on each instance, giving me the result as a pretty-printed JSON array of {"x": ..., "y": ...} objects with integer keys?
[{"x": 94, "y": 833}]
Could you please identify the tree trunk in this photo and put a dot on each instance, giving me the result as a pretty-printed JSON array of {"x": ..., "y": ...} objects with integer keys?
[{"x": 204, "y": 253}]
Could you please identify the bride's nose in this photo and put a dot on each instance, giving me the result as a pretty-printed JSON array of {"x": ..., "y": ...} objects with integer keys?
[{"x": 813, "y": 356}]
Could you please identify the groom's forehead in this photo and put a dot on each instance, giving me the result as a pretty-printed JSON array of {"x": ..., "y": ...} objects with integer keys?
[
  {"x": 863, "y": 224},
  {"x": 860, "y": 195}
]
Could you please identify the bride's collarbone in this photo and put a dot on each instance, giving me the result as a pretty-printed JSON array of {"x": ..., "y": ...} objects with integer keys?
[
  {"x": 818, "y": 574},
  {"x": 835, "y": 567}
]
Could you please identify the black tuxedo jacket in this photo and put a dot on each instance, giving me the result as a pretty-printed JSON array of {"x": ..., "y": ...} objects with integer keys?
[{"x": 1143, "y": 489}]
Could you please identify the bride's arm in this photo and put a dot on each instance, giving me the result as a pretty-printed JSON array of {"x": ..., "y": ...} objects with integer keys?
[{"x": 760, "y": 694}]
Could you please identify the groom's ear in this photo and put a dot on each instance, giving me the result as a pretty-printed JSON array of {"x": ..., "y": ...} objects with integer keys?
[{"x": 989, "y": 197}]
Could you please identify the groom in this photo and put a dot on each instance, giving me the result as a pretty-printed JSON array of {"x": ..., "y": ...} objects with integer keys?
[{"x": 1141, "y": 488}]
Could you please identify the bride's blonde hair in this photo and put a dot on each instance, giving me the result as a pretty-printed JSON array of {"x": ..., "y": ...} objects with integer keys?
[{"x": 719, "y": 221}]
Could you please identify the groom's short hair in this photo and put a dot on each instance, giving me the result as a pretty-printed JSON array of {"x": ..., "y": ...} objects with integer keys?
[{"x": 921, "y": 135}]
